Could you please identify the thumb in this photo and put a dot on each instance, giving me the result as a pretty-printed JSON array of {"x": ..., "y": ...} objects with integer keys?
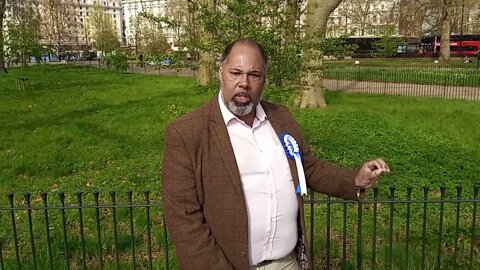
[{"x": 377, "y": 172}]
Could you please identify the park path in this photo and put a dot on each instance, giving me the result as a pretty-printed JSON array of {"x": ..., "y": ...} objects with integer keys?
[
  {"x": 404, "y": 89},
  {"x": 369, "y": 87}
]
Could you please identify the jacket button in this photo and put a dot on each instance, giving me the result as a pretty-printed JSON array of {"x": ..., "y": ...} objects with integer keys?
[
  {"x": 244, "y": 227},
  {"x": 244, "y": 254}
]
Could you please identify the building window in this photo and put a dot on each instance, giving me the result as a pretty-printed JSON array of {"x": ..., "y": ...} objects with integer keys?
[{"x": 81, "y": 13}]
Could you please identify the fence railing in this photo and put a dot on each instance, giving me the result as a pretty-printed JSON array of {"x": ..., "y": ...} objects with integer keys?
[
  {"x": 440, "y": 82},
  {"x": 417, "y": 81},
  {"x": 387, "y": 230}
]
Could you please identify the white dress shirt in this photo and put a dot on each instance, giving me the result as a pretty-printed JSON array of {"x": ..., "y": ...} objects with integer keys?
[{"x": 272, "y": 205}]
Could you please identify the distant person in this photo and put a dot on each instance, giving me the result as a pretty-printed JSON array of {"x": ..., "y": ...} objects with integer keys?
[
  {"x": 141, "y": 59},
  {"x": 478, "y": 59},
  {"x": 467, "y": 59}
]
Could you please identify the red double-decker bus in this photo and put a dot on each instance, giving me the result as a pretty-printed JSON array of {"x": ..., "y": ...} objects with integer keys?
[{"x": 460, "y": 45}]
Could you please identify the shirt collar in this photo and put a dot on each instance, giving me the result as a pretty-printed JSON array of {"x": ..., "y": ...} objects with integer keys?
[{"x": 229, "y": 116}]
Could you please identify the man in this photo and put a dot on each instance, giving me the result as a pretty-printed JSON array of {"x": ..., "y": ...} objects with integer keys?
[
  {"x": 478, "y": 59},
  {"x": 231, "y": 196}
]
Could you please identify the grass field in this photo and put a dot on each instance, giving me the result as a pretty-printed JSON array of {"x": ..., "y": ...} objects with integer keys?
[{"x": 79, "y": 129}]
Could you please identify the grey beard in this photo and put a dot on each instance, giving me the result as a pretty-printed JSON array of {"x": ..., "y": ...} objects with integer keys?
[{"x": 239, "y": 110}]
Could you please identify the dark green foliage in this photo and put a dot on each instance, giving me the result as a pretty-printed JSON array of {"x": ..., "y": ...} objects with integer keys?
[
  {"x": 338, "y": 47},
  {"x": 387, "y": 45},
  {"x": 118, "y": 60},
  {"x": 265, "y": 21}
]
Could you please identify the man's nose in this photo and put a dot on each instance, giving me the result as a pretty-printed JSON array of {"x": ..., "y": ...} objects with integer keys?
[{"x": 244, "y": 81}]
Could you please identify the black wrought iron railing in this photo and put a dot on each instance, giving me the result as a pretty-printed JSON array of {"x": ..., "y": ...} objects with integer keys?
[
  {"x": 440, "y": 82},
  {"x": 418, "y": 228}
]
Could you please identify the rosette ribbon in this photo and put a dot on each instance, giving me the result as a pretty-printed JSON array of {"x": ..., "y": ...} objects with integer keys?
[{"x": 292, "y": 150}]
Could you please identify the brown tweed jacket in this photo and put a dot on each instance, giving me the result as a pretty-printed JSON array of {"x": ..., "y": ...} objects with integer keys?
[{"x": 203, "y": 199}]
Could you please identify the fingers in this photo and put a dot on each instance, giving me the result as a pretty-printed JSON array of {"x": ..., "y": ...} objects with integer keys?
[
  {"x": 378, "y": 166},
  {"x": 371, "y": 170}
]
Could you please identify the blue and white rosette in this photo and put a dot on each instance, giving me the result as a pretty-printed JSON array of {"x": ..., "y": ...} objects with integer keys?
[{"x": 292, "y": 150}]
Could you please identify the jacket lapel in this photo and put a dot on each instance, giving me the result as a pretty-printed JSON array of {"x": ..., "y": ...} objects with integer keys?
[{"x": 219, "y": 129}]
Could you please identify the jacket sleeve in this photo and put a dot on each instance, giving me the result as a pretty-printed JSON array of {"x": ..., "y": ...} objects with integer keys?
[{"x": 195, "y": 246}]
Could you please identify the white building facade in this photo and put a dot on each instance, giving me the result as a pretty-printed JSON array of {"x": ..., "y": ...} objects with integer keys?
[
  {"x": 83, "y": 10},
  {"x": 132, "y": 9}
]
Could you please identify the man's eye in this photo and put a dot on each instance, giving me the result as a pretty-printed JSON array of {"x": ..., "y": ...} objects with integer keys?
[
  {"x": 255, "y": 76},
  {"x": 235, "y": 73}
]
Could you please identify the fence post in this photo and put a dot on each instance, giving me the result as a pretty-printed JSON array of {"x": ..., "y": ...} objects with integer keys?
[
  {"x": 374, "y": 229},
  {"x": 359, "y": 235},
  {"x": 99, "y": 229},
  {"x": 424, "y": 224},
  {"x": 329, "y": 228},
  {"x": 132, "y": 233},
  {"x": 472, "y": 231},
  {"x": 390, "y": 236},
  {"x": 312, "y": 209},
  {"x": 61, "y": 195},
  {"x": 30, "y": 228},
  {"x": 47, "y": 228},
  {"x": 14, "y": 229},
  {"x": 115, "y": 233},
  {"x": 444, "y": 81},
  {"x": 82, "y": 233},
  {"x": 407, "y": 235},
  {"x": 344, "y": 237},
  {"x": 440, "y": 227},
  {"x": 165, "y": 239},
  {"x": 146, "y": 193},
  {"x": 457, "y": 225}
]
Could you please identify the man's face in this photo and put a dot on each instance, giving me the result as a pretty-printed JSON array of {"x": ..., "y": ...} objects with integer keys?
[{"x": 242, "y": 77}]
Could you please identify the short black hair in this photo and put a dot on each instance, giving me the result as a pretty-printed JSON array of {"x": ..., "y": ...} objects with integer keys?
[{"x": 249, "y": 41}]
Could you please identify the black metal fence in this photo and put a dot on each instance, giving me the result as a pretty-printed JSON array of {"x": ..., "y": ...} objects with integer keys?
[
  {"x": 417, "y": 81},
  {"x": 388, "y": 230}
]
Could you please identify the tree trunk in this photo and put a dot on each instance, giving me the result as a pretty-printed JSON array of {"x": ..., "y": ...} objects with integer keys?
[
  {"x": 312, "y": 74},
  {"x": 3, "y": 4},
  {"x": 445, "y": 41},
  {"x": 206, "y": 69},
  {"x": 206, "y": 63}
]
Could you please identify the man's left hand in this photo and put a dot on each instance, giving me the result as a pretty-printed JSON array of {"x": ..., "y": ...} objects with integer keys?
[{"x": 370, "y": 171}]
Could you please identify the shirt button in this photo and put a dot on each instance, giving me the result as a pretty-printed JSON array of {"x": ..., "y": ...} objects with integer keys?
[{"x": 244, "y": 254}]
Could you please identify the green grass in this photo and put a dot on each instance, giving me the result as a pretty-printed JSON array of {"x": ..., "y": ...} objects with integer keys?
[{"x": 83, "y": 129}]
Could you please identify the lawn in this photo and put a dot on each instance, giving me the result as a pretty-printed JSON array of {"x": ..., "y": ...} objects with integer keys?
[{"x": 81, "y": 129}]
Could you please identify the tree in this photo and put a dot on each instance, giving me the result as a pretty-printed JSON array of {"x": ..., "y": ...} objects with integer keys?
[
  {"x": 312, "y": 95},
  {"x": 338, "y": 46},
  {"x": 178, "y": 15},
  {"x": 411, "y": 17},
  {"x": 149, "y": 35},
  {"x": 23, "y": 32},
  {"x": 446, "y": 6},
  {"x": 57, "y": 21},
  {"x": 359, "y": 12},
  {"x": 3, "y": 7},
  {"x": 387, "y": 45},
  {"x": 269, "y": 22},
  {"x": 206, "y": 59},
  {"x": 103, "y": 28}
]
